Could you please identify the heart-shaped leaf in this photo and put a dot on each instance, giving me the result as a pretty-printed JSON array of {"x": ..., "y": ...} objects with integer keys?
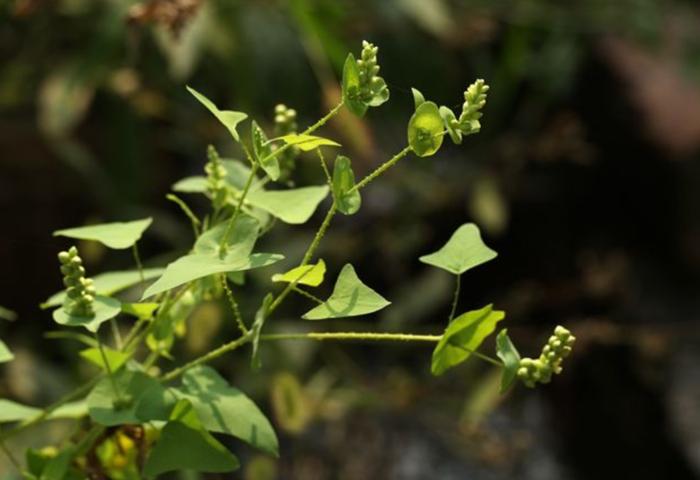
[
  {"x": 117, "y": 235},
  {"x": 347, "y": 201},
  {"x": 104, "y": 308},
  {"x": 350, "y": 298},
  {"x": 185, "y": 445},
  {"x": 425, "y": 130},
  {"x": 463, "y": 251},
  {"x": 351, "y": 87},
  {"x": 263, "y": 152},
  {"x": 230, "y": 119},
  {"x": 463, "y": 336},
  {"x": 507, "y": 352},
  {"x": 294, "y": 206},
  {"x": 311, "y": 275}
]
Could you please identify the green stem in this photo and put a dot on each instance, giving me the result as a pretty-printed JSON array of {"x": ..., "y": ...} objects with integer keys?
[
  {"x": 308, "y": 131},
  {"x": 234, "y": 305},
  {"x": 108, "y": 368},
  {"x": 237, "y": 211},
  {"x": 455, "y": 299},
  {"x": 115, "y": 333},
  {"x": 196, "y": 223},
  {"x": 137, "y": 259},
  {"x": 357, "y": 336},
  {"x": 381, "y": 169},
  {"x": 13, "y": 460},
  {"x": 329, "y": 179},
  {"x": 480, "y": 355},
  {"x": 307, "y": 295},
  {"x": 208, "y": 357}
]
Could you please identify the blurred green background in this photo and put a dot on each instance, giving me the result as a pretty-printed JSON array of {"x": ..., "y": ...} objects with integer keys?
[{"x": 585, "y": 179}]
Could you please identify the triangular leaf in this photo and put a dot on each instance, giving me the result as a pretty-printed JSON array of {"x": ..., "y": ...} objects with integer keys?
[
  {"x": 5, "y": 353},
  {"x": 507, "y": 352},
  {"x": 307, "y": 143},
  {"x": 230, "y": 119},
  {"x": 294, "y": 206},
  {"x": 463, "y": 336},
  {"x": 311, "y": 275},
  {"x": 109, "y": 283},
  {"x": 117, "y": 235},
  {"x": 107, "y": 409},
  {"x": 350, "y": 298},
  {"x": 343, "y": 181},
  {"x": 464, "y": 250},
  {"x": 185, "y": 445},
  {"x": 115, "y": 358},
  {"x": 263, "y": 152},
  {"x": 425, "y": 130},
  {"x": 351, "y": 87},
  {"x": 104, "y": 308}
]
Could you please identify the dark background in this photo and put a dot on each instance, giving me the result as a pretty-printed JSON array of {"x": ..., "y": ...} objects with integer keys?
[{"x": 585, "y": 179}]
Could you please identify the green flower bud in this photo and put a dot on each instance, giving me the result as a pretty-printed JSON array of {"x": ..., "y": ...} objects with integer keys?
[
  {"x": 80, "y": 291},
  {"x": 540, "y": 370}
]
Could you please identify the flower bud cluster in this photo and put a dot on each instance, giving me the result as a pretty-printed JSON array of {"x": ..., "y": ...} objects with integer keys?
[
  {"x": 80, "y": 291},
  {"x": 474, "y": 101},
  {"x": 216, "y": 178},
  {"x": 557, "y": 348},
  {"x": 285, "y": 120},
  {"x": 371, "y": 84}
]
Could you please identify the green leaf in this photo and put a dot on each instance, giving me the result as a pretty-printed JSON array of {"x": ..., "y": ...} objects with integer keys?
[
  {"x": 57, "y": 468},
  {"x": 307, "y": 143},
  {"x": 425, "y": 130},
  {"x": 380, "y": 94},
  {"x": 109, "y": 283},
  {"x": 418, "y": 97},
  {"x": 5, "y": 353},
  {"x": 507, "y": 352},
  {"x": 194, "y": 184},
  {"x": 225, "y": 409},
  {"x": 105, "y": 308},
  {"x": 117, "y": 235},
  {"x": 230, "y": 119},
  {"x": 463, "y": 251},
  {"x": 311, "y": 275},
  {"x": 350, "y": 298},
  {"x": 463, "y": 336},
  {"x": 15, "y": 412},
  {"x": 207, "y": 260},
  {"x": 343, "y": 181},
  {"x": 7, "y": 314},
  {"x": 448, "y": 118},
  {"x": 106, "y": 409},
  {"x": 185, "y": 445},
  {"x": 115, "y": 358},
  {"x": 142, "y": 311},
  {"x": 263, "y": 152},
  {"x": 260, "y": 317},
  {"x": 351, "y": 87},
  {"x": 294, "y": 206}
]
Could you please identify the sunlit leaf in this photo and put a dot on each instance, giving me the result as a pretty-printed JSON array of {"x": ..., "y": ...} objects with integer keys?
[
  {"x": 448, "y": 117},
  {"x": 109, "y": 283},
  {"x": 115, "y": 358},
  {"x": 294, "y": 206},
  {"x": 463, "y": 251},
  {"x": 507, "y": 352},
  {"x": 107, "y": 409},
  {"x": 5, "y": 353},
  {"x": 194, "y": 184},
  {"x": 263, "y": 152},
  {"x": 230, "y": 119},
  {"x": 307, "y": 143},
  {"x": 311, "y": 275},
  {"x": 141, "y": 311},
  {"x": 117, "y": 235},
  {"x": 184, "y": 445},
  {"x": 347, "y": 202},
  {"x": 425, "y": 130},
  {"x": 104, "y": 308},
  {"x": 351, "y": 87},
  {"x": 350, "y": 298},
  {"x": 463, "y": 336}
]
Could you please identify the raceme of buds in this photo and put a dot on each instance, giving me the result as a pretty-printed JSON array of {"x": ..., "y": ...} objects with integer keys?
[
  {"x": 285, "y": 120},
  {"x": 557, "y": 348},
  {"x": 80, "y": 291},
  {"x": 474, "y": 101},
  {"x": 371, "y": 84},
  {"x": 216, "y": 178}
]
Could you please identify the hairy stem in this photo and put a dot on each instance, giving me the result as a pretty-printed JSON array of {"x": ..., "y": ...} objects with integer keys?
[
  {"x": 361, "y": 336},
  {"x": 237, "y": 211},
  {"x": 234, "y": 305},
  {"x": 381, "y": 169},
  {"x": 308, "y": 295},
  {"x": 188, "y": 212}
]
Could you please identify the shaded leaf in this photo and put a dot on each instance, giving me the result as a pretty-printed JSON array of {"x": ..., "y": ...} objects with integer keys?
[
  {"x": 263, "y": 152},
  {"x": 105, "y": 308},
  {"x": 306, "y": 143},
  {"x": 425, "y": 130},
  {"x": 350, "y": 298},
  {"x": 229, "y": 118},
  {"x": 343, "y": 181},
  {"x": 106, "y": 409},
  {"x": 5, "y": 353},
  {"x": 507, "y": 352},
  {"x": 463, "y": 336},
  {"x": 351, "y": 87},
  {"x": 7, "y": 314},
  {"x": 464, "y": 250},
  {"x": 311, "y": 275},
  {"x": 185, "y": 445},
  {"x": 116, "y": 235},
  {"x": 15, "y": 412}
]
